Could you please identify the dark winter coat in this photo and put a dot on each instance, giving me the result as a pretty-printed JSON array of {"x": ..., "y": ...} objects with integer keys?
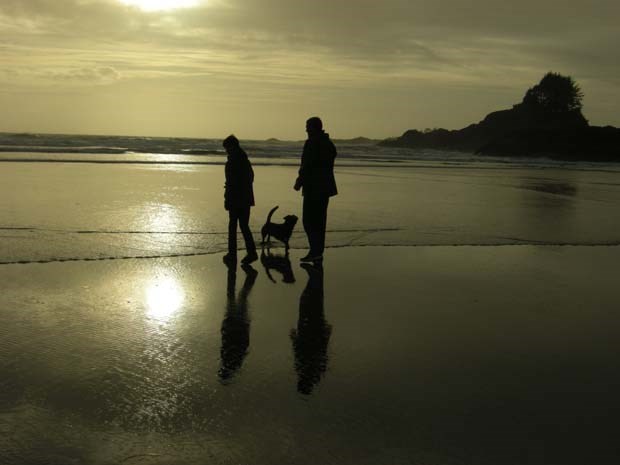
[
  {"x": 238, "y": 191},
  {"x": 316, "y": 173}
]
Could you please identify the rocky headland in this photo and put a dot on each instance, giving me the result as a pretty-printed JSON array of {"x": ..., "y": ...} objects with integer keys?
[{"x": 548, "y": 122}]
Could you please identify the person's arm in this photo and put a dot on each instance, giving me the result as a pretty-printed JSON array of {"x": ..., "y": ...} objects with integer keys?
[
  {"x": 227, "y": 186},
  {"x": 304, "y": 167},
  {"x": 332, "y": 151},
  {"x": 327, "y": 153},
  {"x": 233, "y": 182}
]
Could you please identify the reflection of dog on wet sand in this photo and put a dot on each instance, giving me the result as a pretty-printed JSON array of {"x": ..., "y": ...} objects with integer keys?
[
  {"x": 282, "y": 231},
  {"x": 280, "y": 263}
]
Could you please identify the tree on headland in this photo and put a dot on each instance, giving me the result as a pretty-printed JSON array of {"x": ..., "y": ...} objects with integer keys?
[
  {"x": 547, "y": 122},
  {"x": 555, "y": 93}
]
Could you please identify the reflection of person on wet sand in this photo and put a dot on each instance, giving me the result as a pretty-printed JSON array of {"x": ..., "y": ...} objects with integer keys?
[
  {"x": 236, "y": 324},
  {"x": 311, "y": 338}
]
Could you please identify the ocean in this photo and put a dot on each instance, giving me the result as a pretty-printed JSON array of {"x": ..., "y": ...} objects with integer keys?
[{"x": 67, "y": 148}]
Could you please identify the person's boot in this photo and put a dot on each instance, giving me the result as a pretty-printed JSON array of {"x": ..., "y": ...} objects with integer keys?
[
  {"x": 230, "y": 259},
  {"x": 312, "y": 257}
]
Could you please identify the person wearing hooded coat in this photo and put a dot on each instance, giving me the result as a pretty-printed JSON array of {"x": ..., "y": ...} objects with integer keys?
[{"x": 238, "y": 198}]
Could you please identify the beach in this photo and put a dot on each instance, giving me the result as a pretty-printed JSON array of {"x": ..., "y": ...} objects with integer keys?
[
  {"x": 61, "y": 210},
  {"x": 464, "y": 314}
]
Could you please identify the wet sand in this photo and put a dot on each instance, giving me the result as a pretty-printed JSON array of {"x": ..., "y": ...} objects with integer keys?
[
  {"x": 63, "y": 211},
  {"x": 393, "y": 355}
]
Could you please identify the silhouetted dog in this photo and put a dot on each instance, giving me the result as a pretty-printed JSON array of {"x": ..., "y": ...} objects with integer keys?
[
  {"x": 280, "y": 263},
  {"x": 282, "y": 232}
]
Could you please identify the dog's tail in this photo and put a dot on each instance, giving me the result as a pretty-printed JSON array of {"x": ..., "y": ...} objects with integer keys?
[{"x": 271, "y": 213}]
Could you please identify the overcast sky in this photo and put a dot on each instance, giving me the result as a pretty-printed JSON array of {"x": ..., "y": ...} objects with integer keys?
[{"x": 259, "y": 68}]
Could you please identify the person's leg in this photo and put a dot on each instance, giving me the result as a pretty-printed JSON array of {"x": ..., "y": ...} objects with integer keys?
[
  {"x": 232, "y": 232},
  {"x": 307, "y": 218},
  {"x": 310, "y": 222},
  {"x": 244, "y": 220},
  {"x": 321, "y": 224}
]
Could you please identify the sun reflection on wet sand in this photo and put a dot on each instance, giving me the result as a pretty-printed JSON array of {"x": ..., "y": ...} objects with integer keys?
[
  {"x": 164, "y": 298},
  {"x": 161, "y": 217},
  {"x": 163, "y": 292}
]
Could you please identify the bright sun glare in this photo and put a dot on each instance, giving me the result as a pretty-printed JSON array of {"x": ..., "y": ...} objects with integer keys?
[
  {"x": 164, "y": 297},
  {"x": 158, "y": 5}
]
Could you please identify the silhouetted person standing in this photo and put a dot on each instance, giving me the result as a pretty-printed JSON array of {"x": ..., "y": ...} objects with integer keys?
[
  {"x": 318, "y": 184},
  {"x": 236, "y": 323},
  {"x": 311, "y": 338},
  {"x": 238, "y": 198}
]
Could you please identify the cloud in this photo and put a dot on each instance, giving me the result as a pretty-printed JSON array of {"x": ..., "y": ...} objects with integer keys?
[
  {"x": 351, "y": 48},
  {"x": 100, "y": 75},
  {"x": 393, "y": 35},
  {"x": 32, "y": 76}
]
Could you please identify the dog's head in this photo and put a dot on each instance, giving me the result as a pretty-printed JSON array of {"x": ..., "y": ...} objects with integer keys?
[{"x": 290, "y": 220}]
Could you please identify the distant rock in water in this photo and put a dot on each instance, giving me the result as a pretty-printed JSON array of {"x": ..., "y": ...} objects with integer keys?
[
  {"x": 357, "y": 140},
  {"x": 548, "y": 122}
]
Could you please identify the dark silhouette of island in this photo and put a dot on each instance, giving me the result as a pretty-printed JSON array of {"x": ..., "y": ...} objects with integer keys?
[
  {"x": 357, "y": 141},
  {"x": 548, "y": 122}
]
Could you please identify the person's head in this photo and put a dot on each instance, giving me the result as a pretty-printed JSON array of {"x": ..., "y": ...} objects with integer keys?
[
  {"x": 230, "y": 143},
  {"x": 314, "y": 126}
]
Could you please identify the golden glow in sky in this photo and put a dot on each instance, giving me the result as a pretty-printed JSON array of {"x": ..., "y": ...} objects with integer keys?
[
  {"x": 158, "y": 5},
  {"x": 260, "y": 68}
]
